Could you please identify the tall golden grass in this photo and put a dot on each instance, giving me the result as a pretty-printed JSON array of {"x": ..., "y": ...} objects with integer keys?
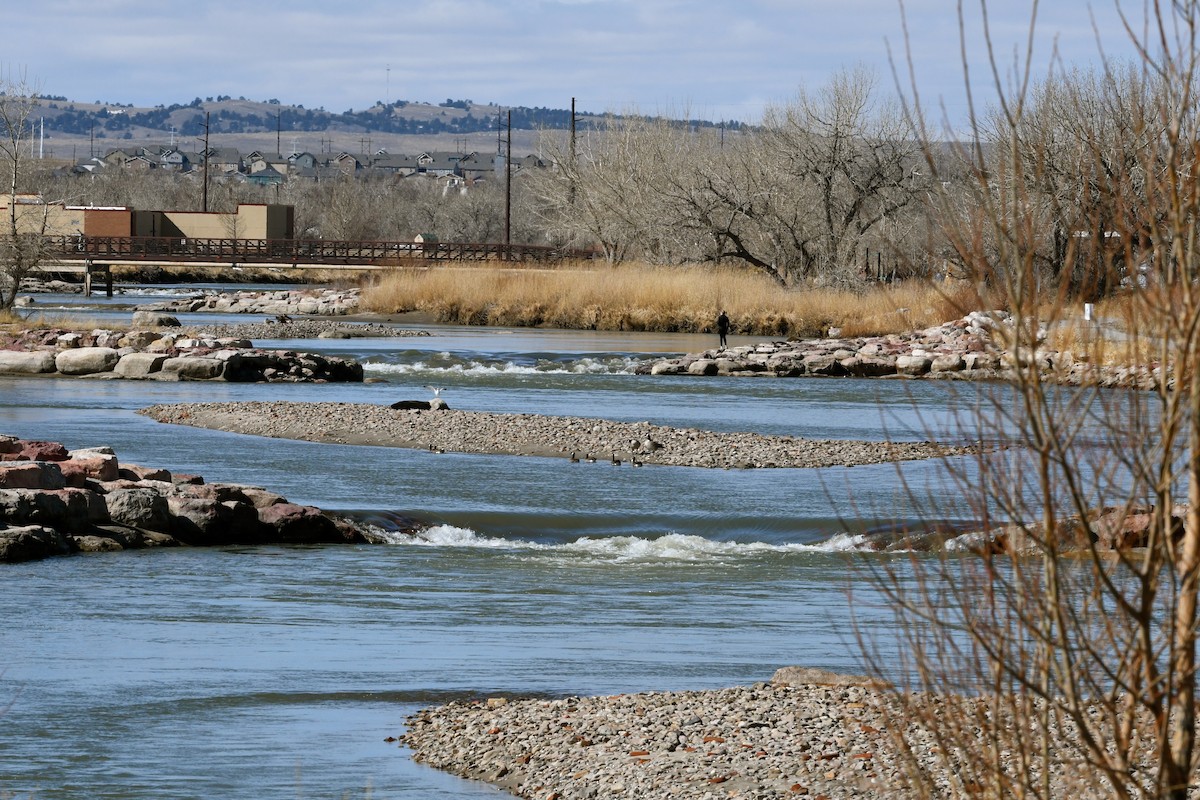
[{"x": 649, "y": 298}]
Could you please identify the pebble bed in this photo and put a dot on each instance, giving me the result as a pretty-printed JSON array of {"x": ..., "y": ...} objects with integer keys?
[
  {"x": 630, "y": 443},
  {"x": 809, "y": 733},
  {"x": 308, "y": 329},
  {"x": 759, "y": 742}
]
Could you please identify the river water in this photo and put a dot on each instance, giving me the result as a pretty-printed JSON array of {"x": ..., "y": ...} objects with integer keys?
[{"x": 279, "y": 672}]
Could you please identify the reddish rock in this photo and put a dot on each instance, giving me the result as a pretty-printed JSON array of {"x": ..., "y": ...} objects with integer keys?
[
  {"x": 293, "y": 524},
  {"x": 203, "y": 522},
  {"x": 32, "y": 450},
  {"x": 261, "y": 498},
  {"x": 31, "y": 475},
  {"x": 99, "y": 467},
  {"x": 136, "y": 472}
]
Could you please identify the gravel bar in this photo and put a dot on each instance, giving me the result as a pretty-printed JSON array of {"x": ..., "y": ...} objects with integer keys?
[
  {"x": 762, "y": 742},
  {"x": 630, "y": 443},
  {"x": 307, "y": 329}
]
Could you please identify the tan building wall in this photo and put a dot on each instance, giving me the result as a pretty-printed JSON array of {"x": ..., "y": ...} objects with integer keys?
[
  {"x": 250, "y": 222},
  {"x": 34, "y": 215}
]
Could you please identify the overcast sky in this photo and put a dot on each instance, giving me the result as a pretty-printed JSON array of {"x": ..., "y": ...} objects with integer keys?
[{"x": 717, "y": 59}]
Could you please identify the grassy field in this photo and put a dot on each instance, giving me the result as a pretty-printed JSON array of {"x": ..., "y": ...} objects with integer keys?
[{"x": 648, "y": 298}]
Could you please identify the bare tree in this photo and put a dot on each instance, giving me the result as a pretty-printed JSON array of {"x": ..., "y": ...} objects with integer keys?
[
  {"x": 21, "y": 245},
  {"x": 850, "y": 158},
  {"x": 1061, "y": 662},
  {"x": 797, "y": 198}
]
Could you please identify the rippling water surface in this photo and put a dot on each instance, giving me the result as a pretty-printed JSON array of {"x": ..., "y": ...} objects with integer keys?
[{"x": 279, "y": 672}]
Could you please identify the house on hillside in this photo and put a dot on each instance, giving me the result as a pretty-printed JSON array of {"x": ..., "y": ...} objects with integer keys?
[
  {"x": 174, "y": 159},
  {"x": 224, "y": 160},
  {"x": 349, "y": 163},
  {"x": 305, "y": 160},
  {"x": 266, "y": 176},
  {"x": 258, "y": 160},
  {"x": 400, "y": 165},
  {"x": 438, "y": 163},
  {"x": 474, "y": 166}
]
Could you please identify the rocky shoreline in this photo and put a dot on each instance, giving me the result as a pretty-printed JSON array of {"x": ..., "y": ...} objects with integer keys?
[
  {"x": 602, "y": 441},
  {"x": 317, "y": 302},
  {"x": 971, "y": 348},
  {"x": 807, "y": 733},
  {"x": 154, "y": 354},
  {"x": 55, "y": 501}
]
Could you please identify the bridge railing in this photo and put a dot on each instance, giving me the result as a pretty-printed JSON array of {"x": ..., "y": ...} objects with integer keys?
[{"x": 296, "y": 251}]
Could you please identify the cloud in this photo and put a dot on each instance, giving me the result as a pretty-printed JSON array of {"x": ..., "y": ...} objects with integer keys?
[{"x": 731, "y": 58}]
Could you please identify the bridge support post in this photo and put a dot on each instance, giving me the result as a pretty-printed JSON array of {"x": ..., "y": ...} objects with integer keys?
[{"x": 91, "y": 269}]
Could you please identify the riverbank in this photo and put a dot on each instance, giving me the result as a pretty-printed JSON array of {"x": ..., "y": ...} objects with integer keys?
[
  {"x": 55, "y": 501},
  {"x": 641, "y": 297},
  {"x": 764, "y": 741},
  {"x": 582, "y": 439},
  {"x": 162, "y": 355},
  {"x": 970, "y": 348},
  {"x": 808, "y": 733}
]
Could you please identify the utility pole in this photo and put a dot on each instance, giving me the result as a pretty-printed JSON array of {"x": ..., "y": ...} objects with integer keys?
[
  {"x": 204, "y": 203},
  {"x": 508, "y": 194},
  {"x": 278, "y": 130}
]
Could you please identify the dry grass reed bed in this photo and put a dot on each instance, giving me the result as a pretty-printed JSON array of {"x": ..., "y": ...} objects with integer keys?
[{"x": 648, "y": 298}]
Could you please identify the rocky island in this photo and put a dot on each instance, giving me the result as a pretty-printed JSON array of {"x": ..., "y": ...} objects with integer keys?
[
  {"x": 55, "y": 501},
  {"x": 575, "y": 438}
]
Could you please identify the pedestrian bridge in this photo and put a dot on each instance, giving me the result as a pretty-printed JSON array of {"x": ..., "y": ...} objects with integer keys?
[{"x": 83, "y": 253}]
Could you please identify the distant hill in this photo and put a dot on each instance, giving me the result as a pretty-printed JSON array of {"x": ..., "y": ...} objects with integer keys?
[{"x": 74, "y": 130}]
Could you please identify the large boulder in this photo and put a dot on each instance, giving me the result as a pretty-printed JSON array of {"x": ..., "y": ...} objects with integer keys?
[
  {"x": 949, "y": 362},
  {"x": 87, "y": 360},
  {"x": 33, "y": 450},
  {"x": 32, "y": 542},
  {"x": 154, "y": 319},
  {"x": 139, "y": 508},
  {"x": 18, "y": 362},
  {"x": 31, "y": 475},
  {"x": 288, "y": 523},
  {"x": 77, "y": 471},
  {"x": 193, "y": 368},
  {"x": 824, "y": 364},
  {"x": 201, "y": 521},
  {"x": 138, "y": 340},
  {"x": 139, "y": 365},
  {"x": 69, "y": 510},
  {"x": 913, "y": 365},
  {"x": 136, "y": 472},
  {"x": 813, "y": 676}
]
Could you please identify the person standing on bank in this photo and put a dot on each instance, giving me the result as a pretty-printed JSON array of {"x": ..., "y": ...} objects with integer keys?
[{"x": 723, "y": 327}]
